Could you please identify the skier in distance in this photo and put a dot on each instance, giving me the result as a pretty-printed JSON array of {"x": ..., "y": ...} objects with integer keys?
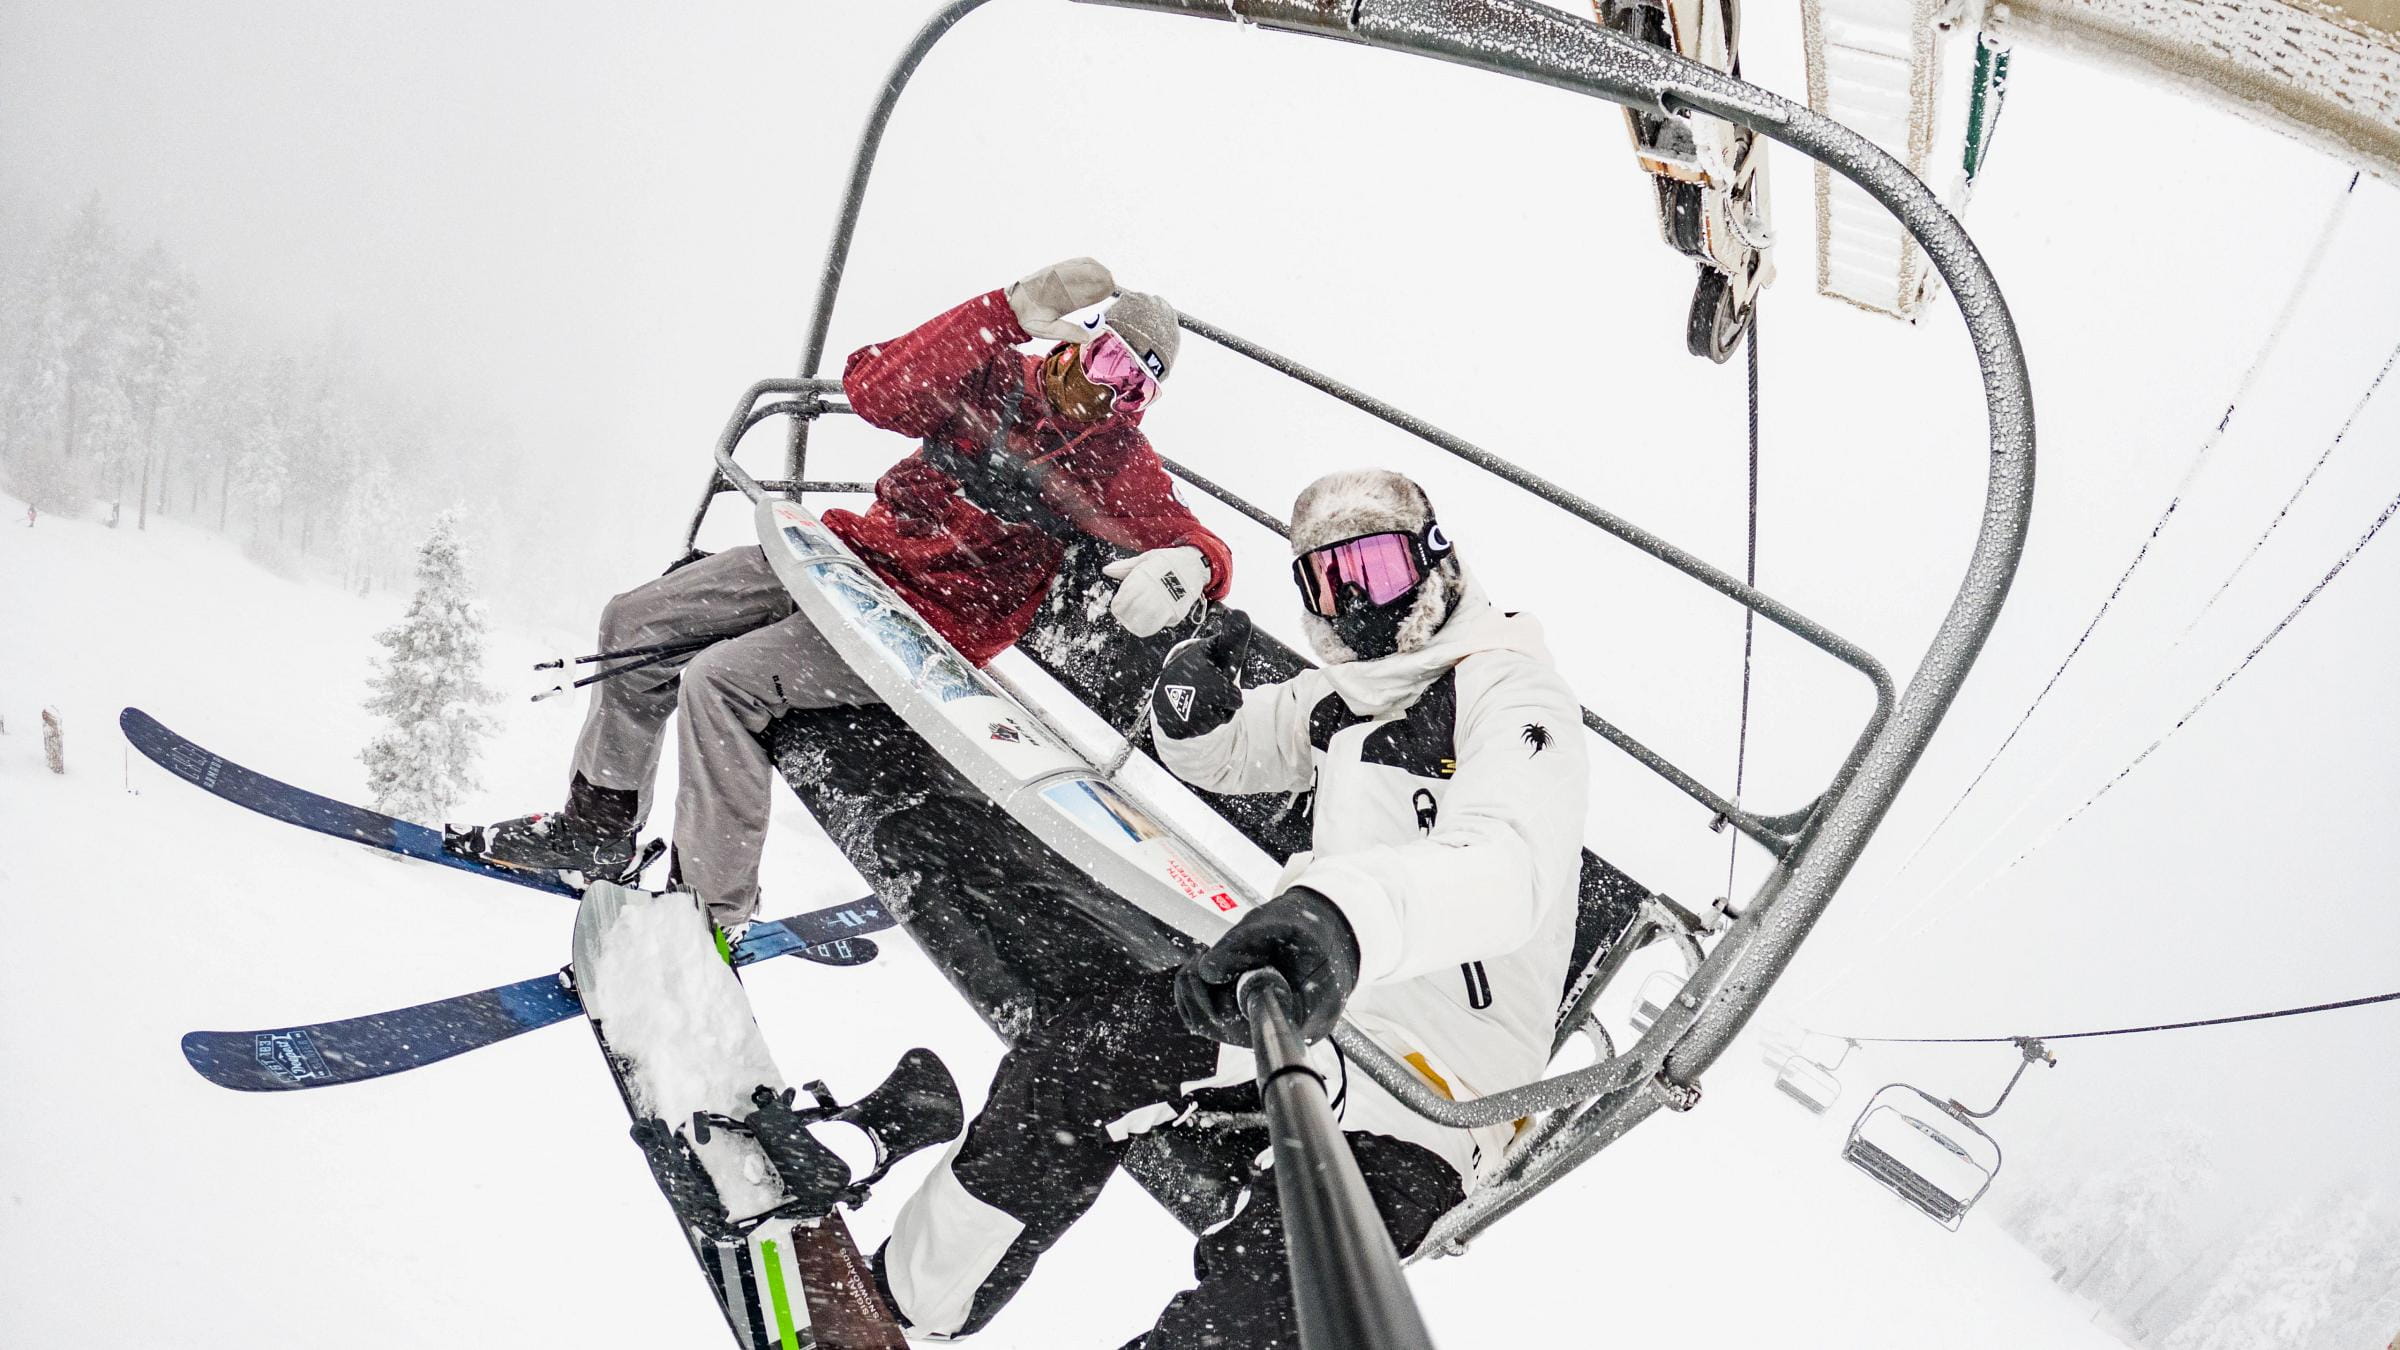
[
  {"x": 1019, "y": 455},
  {"x": 1436, "y": 908}
]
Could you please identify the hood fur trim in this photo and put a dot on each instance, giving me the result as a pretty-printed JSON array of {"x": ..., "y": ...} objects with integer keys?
[{"x": 1350, "y": 502}]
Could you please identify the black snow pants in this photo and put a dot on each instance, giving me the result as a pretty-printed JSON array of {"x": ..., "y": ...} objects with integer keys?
[{"x": 1087, "y": 1072}]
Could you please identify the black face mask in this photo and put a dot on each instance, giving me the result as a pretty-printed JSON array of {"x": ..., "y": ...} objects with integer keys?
[{"x": 1373, "y": 631}]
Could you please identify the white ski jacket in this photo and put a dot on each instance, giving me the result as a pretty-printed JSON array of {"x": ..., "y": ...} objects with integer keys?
[{"x": 1448, "y": 810}]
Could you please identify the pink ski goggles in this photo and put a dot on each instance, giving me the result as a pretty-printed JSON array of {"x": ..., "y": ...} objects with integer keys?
[
  {"x": 1383, "y": 567},
  {"x": 1109, "y": 361}
]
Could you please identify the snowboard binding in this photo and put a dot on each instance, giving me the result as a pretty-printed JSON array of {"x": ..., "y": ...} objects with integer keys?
[
  {"x": 914, "y": 1108},
  {"x": 685, "y": 1182}
]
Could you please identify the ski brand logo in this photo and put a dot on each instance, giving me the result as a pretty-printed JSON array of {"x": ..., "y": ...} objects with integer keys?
[
  {"x": 1222, "y": 901},
  {"x": 194, "y": 765},
  {"x": 1179, "y": 697},
  {"x": 1009, "y": 733},
  {"x": 290, "y": 1056}
]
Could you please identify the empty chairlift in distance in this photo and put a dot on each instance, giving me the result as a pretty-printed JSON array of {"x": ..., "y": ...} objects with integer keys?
[
  {"x": 1809, "y": 1081},
  {"x": 1930, "y": 1152}
]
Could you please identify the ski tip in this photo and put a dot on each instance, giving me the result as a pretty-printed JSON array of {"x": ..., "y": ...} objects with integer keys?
[
  {"x": 204, "y": 1051},
  {"x": 134, "y": 719}
]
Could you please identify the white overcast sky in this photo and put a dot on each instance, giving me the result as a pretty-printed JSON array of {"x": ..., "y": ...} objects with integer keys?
[{"x": 604, "y": 220}]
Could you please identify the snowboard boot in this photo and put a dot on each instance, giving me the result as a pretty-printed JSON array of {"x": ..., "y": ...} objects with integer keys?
[
  {"x": 593, "y": 836},
  {"x": 914, "y": 1108}
]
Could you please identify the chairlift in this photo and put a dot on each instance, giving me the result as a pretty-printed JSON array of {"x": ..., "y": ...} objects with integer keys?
[
  {"x": 1810, "y": 1083},
  {"x": 843, "y": 763},
  {"x": 1930, "y": 1152},
  {"x": 1652, "y": 1000}
]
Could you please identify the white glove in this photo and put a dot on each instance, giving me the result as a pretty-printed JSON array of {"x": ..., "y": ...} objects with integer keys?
[
  {"x": 1043, "y": 299},
  {"x": 1158, "y": 588}
]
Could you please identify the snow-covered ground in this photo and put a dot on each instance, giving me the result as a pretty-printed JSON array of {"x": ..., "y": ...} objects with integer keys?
[{"x": 495, "y": 1199}]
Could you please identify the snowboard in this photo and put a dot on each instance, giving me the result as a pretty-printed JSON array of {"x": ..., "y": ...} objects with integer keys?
[{"x": 727, "y": 1141}]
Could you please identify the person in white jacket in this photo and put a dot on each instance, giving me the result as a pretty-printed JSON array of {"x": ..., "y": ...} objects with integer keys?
[
  {"x": 1444, "y": 764},
  {"x": 1446, "y": 761}
]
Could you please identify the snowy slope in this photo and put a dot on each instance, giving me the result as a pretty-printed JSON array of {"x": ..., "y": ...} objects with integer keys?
[{"x": 495, "y": 1199}]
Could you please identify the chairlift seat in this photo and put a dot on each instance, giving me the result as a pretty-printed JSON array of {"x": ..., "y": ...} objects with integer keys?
[
  {"x": 1809, "y": 1083},
  {"x": 1652, "y": 1000},
  {"x": 1925, "y": 1151},
  {"x": 1008, "y": 967}
]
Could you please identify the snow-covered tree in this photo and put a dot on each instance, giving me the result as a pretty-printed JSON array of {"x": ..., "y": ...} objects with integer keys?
[
  {"x": 69, "y": 422},
  {"x": 160, "y": 302},
  {"x": 428, "y": 689},
  {"x": 2363, "y": 1241},
  {"x": 2288, "y": 1285},
  {"x": 2114, "y": 1227}
]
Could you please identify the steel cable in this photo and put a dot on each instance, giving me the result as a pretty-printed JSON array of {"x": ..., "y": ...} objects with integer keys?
[
  {"x": 1741, "y": 750},
  {"x": 2335, "y": 1006},
  {"x": 2191, "y": 474}
]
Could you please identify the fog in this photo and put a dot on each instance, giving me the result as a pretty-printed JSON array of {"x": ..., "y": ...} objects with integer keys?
[{"x": 585, "y": 229}]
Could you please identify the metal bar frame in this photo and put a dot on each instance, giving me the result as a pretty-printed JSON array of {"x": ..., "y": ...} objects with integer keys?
[{"x": 1529, "y": 41}]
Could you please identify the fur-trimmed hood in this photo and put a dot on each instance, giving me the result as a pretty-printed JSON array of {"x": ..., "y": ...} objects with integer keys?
[{"x": 1349, "y": 503}]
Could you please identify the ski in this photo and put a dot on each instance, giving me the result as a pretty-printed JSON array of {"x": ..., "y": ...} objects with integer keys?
[
  {"x": 729, "y": 1146},
  {"x": 298, "y": 806},
  {"x": 355, "y": 1049}
]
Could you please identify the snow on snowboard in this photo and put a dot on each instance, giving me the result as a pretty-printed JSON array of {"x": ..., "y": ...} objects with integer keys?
[{"x": 724, "y": 1137}]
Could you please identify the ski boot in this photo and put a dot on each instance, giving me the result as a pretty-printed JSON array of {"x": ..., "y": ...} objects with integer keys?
[
  {"x": 594, "y": 836},
  {"x": 914, "y": 1108}
]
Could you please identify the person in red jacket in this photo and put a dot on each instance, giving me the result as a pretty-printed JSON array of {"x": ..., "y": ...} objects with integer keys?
[{"x": 1020, "y": 455}]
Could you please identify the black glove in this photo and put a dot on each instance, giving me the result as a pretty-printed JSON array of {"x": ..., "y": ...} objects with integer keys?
[
  {"x": 1299, "y": 933},
  {"x": 1200, "y": 688}
]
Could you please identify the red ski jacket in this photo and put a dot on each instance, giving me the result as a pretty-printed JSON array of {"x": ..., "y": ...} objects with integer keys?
[{"x": 979, "y": 578}]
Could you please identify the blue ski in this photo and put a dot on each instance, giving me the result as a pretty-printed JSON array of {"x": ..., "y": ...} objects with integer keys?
[
  {"x": 298, "y": 806},
  {"x": 355, "y": 1049}
]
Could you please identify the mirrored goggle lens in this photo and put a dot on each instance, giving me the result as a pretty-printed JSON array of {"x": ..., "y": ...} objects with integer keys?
[
  {"x": 1382, "y": 566},
  {"x": 1108, "y": 360}
]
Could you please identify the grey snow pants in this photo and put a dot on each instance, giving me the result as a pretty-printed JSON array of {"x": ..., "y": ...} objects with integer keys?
[{"x": 771, "y": 661}]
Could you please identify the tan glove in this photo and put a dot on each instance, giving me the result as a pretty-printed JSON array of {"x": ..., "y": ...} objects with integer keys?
[{"x": 1043, "y": 299}]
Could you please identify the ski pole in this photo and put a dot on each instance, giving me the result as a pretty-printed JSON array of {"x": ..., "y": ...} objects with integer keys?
[
  {"x": 1346, "y": 1278},
  {"x": 679, "y": 645},
  {"x": 669, "y": 654}
]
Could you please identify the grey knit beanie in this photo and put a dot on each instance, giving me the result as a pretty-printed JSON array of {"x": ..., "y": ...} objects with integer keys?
[{"x": 1148, "y": 325}]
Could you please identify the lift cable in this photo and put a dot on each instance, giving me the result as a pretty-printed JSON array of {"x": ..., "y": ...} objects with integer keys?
[
  {"x": 2191, "y": 474},
  {"x": 1741, "y": 751},
  {"x": 2381, "y": 519},
  {"x": 2393, "y": 997},
  {"x": 1941, "y": 888},
  {"x": 2289, "y": 502},
  {"x": 2004, "y": 826}
]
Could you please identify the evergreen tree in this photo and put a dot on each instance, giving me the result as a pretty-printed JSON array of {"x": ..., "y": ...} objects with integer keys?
[
  {"x": 2279, "y": 1290},
  {"x": 160, "y": 303},
  {"x": 68, "y": 418},
  {"x": 428, "y": 689}
]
